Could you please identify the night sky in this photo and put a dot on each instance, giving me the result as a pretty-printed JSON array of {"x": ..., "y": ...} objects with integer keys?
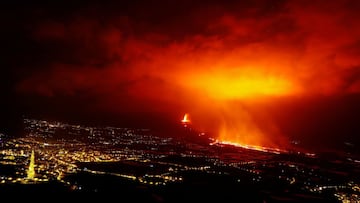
[{"x": 257, "y": 72}]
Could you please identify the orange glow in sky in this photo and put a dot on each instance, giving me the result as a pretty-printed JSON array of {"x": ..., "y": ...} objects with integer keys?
[{"x": 229, "y": 85}]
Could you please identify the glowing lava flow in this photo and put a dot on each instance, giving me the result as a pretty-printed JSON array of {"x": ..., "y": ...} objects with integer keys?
[{"x": 251, "y": 147}]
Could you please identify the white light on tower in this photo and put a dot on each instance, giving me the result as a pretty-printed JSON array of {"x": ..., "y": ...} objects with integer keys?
[{"x": 185, "y": 121}]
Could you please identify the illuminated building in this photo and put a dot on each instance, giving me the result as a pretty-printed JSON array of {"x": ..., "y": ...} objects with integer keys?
[{"x": 31, "y": 170}]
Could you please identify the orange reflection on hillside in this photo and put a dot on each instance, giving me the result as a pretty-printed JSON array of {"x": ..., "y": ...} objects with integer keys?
[{"x": 225, "y": 92}]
